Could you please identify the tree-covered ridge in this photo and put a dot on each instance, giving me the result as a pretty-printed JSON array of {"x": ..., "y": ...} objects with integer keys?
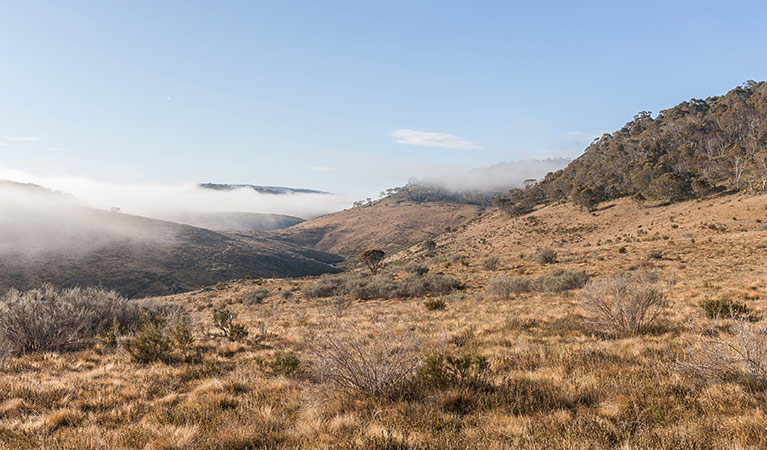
[{"x": 692, "y": 149}]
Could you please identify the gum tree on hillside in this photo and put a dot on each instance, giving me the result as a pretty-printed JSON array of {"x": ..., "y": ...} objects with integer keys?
[{"x": 372, "y": 258}]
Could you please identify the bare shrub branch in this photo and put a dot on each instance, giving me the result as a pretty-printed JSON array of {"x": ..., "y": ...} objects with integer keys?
[
  {"x": 736, "y": 352},
  {"x": 377, "y": 363},
  {"x": 626, "y": 304}
]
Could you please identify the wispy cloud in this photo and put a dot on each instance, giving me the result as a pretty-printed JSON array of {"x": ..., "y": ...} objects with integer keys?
[
  {"x": 323, "y": 169},
  {"x": 432, "y": 139},
  {"x": 21, "y": 138},
  {"x": 62, "y": 150}
]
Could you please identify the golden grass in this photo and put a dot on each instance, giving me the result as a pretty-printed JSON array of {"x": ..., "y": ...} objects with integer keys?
[{"x": 552, "y": 381}]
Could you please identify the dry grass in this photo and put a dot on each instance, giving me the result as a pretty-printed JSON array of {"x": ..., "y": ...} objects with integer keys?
[{"x": 528, "y": 373}]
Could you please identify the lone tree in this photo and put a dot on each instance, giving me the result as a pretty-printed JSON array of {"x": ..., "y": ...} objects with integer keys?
[{"x": 372, "y": 258}]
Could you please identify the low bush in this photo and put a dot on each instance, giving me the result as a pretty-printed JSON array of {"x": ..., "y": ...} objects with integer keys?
[
  {"x": 416, "y": 269},
  {"x": 625, "y": 304},
  {"x": 737, "y": 354},
  {"x": 491, "y": 263},
  {"x": 255, "y": 297},
  {"x": 563, "y": 280},
  {"x": 223, "y": 319},
  {"x": 282, "y": 363},
  {"x": 435, "y": 304},
  {"x": 545, "y": 256},
  {"x": 152, "y": 342},
  {"x": 444, "y": 370},
  {"x": 351, "y": 361},
  {"x": 715, "y": 309},
  {"x": 364, "y": 287},
  {"x": 505, "y": 287},
  {"x": 48, "y": 319}
]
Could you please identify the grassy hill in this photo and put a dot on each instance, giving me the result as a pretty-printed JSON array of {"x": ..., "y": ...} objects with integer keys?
[
  {"x": 528, "y": 367},
  {"x": 388, "y": 223}
]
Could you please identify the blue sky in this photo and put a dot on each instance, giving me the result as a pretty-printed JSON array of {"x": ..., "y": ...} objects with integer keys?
[{"x": 349, "y": 97}]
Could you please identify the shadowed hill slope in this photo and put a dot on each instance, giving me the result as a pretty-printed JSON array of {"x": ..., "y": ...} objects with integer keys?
[{"x": 49, "y": 237}]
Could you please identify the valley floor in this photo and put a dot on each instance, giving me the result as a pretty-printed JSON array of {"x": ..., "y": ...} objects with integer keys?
[{"x": 537, "y": 373}]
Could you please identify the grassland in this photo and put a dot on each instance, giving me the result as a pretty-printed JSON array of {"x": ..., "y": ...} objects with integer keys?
[{"x": 528, "y": 371}]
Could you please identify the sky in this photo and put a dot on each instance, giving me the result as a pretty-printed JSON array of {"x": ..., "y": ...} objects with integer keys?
[{"x": 346, "y": 97}]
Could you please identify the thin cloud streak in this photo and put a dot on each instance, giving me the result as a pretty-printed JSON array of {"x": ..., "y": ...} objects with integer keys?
[
  {"x": 433, "y": 139},
  {"x": 22, "y": 138}
]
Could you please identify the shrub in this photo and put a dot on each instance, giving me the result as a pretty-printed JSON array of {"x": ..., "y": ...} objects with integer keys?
[
  {"x": 255, "y": 297},
  {"x": 563, "y": 280},
  {"x": 505, "y": 287},
  {"x": 368, "y": 364},
  {"x": 724, "y": 309},
  {"x": 435, "y": 304},
  {"x": 622, "y": 250},
  {"x": 326, "y": 286},
  {"x": 623, "y": 304},
  {"x": 545, "y": 256},
  {"x": 47, "y": 319},
  {"x": 442, "y": 370},
  {"x": 416, "y": 269},
  {"x": 223, "y": 319},
  {"x": 655, "y": 254},
  {"x": 152, "y": 343},
  {"x": 282, "y": 363},
  {"x": 363, "y": 287},
  {"x": 740, "y": 354},
  {"x": 490, "y": 263},
  {"x": 431, "y": 283},
  {"x": 339, "y": 304}
]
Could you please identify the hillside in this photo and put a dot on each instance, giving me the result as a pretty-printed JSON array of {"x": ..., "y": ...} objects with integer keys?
[
  {"x": 388, "y": 223},
  {"x": 49, "y": 237},
  {"x": 529, "y": 368},
  {"x": 696, "y": 148}
]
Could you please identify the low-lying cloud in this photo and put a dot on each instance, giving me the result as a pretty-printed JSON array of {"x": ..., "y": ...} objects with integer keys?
[{"x": 498, "y": 177}]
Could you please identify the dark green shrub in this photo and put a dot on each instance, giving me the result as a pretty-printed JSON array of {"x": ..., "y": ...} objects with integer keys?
[
  {"x": 717, "y": 309},
  {"x": 152, "y": 342},
  {"x": 223, "y": 319},
  {"x": 435, "y": 304},
  {"x": 282, "y": 363},
  {"x": 444, "y": 370},
  {"x": 655, "y": 254}
]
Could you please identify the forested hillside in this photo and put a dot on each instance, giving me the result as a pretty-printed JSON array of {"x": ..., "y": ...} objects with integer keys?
[{"x": 693, "y": 149}]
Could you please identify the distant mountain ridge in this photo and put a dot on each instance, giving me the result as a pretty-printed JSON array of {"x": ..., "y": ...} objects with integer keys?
[{"x": 261, "y": 189}]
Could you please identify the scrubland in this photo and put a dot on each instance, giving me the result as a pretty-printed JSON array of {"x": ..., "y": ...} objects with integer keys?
[{"x": 634, "y": 326}]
